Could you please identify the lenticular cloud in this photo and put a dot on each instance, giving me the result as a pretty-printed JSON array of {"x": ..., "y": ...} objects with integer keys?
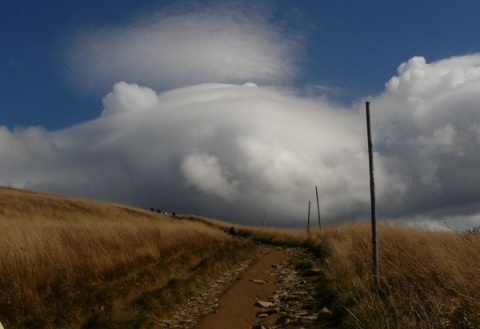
[
  {"x": 231, "y": 151},
  {"x": 181, "y": 49},
  {"x": 236, "y": 151}
]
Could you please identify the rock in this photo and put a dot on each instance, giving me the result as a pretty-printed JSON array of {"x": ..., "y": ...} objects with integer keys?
[
  {"x": 309, "y": 318},
  {"x": 301, "y": 313},
  {"x": 325, "y": 311},
  {"x": 301, "y": 293},
  {"x": 274, "y": 299},
  {"x": 263, "y": 304},
  {"x": 268, "y": 312},
  {"x": 258, "y": 281}
]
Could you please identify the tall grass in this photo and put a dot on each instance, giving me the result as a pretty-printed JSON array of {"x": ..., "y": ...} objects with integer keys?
[
  {"x": 428, "y": 279},
  {"x": 60, "y": 253},
  {"x": 54, "y": 250}
]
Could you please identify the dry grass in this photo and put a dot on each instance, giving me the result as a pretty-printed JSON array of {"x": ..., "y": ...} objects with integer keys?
[
  {"x": 56, "y": 253},
  {"x": 68, "y": 261},
  {"x": 428, "y": 279}
]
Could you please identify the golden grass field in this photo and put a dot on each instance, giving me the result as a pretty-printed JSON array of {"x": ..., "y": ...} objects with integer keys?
[
  {"x": 428, "y": 279},
  {"x": 74, "y": 263},
  {"x": 63, "y": 259}
]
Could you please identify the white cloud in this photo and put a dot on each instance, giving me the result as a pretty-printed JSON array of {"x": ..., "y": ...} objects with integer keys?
[
  {"x": 221, "y": 150},
  {"x": 209, "y": 44},
  {"x": 426, "y": 132},
  {"x": 21, "y": 150},
  {"x": 236, "y": 151},
  {"x": 418, "y": 78},
  {"x": 223, "y": 146},
  {"x": 129, "y": 97},
  {"x": 205, "y": 173}
]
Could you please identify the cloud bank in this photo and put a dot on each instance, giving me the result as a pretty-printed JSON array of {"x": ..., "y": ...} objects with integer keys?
[
  {"x": 427, "y": 133},
  {"x": 185, "y": 48},
  {"x": 182, "y": 131},
  {"x": 231, "y": 151}
]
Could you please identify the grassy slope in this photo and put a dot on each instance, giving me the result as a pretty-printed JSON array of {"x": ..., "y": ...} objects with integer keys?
[
  {"x": 68, "y": 262},
  {"x": 427, "y": 279},
  {"x": 71, "y": 262}
]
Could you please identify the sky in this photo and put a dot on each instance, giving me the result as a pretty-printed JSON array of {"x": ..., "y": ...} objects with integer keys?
[{"x": 237, "y": 109}]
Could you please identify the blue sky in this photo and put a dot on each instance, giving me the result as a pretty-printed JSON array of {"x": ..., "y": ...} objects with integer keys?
[
  {"x": 221, "y": 108},
  {"x": 351, "y": 46}
]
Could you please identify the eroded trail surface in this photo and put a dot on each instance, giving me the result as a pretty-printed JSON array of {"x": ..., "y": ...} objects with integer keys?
[{"x": 268, "y": 293}]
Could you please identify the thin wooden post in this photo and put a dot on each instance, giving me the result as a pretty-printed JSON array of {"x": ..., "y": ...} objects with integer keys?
[
  {"x": 318, "y": 209},
  {"x": 264, "y": 219},
  {"x": 308, "y": 220},
  {"x": 372, "y": 201}
]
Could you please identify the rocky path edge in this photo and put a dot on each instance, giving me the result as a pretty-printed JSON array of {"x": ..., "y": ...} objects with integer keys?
[{"x": 266, "y": 293}]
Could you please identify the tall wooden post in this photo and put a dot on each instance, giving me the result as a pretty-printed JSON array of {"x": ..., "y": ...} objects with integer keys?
[
  {"x": 372, "y": 202},
  {"x": 318, "y": 209},
  {"x": 308, "y": 220},
  {"x": 264, "y": 219}
]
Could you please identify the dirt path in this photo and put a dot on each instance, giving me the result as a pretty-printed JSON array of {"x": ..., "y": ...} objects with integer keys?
[
  {"x": 266, "y": 294},
  {"x": 236, "y": 306}
]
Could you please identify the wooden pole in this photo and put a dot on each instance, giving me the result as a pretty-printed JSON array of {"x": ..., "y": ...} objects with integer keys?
[
  {"x": 308, "y": 220},
  {"x": 318, "y": 209},
  {"x": 264, "y": 219},
  {"x": 372, "y": 201}
]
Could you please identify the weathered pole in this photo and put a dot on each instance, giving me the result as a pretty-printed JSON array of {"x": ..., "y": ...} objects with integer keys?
[
  {"x": 264, "y": 219},
  {"x": 318, "y": 209},
  {"x": 372, "y": 202},
  {"x": 308, "y": 220}
]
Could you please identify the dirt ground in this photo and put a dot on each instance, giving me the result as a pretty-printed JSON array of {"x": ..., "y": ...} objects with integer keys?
[{"x": 236, "y": 307}]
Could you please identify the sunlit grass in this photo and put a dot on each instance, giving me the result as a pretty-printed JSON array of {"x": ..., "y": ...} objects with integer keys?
[
  {"x": 68, "y": 261},
  {"x": 428, "y": 279},
  {"x": 56, "y": 251}
]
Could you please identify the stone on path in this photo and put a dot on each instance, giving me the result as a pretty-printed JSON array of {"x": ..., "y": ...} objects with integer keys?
[
  {"x": 264, "y": 314},
  {"x": 263, "y": 304},
  {"x": 325, "y": 311},
  {"x": 258, "y": 281}
]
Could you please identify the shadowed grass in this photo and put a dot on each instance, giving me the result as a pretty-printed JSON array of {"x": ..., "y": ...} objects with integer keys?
[{"x": 66, "y": 260}]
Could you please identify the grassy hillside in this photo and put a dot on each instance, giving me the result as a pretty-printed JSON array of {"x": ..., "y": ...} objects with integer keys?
[
  {"x": 427, "y": 279},
  {"x": 71, "y": 262},
  {"x": 76, "y": 263}
]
